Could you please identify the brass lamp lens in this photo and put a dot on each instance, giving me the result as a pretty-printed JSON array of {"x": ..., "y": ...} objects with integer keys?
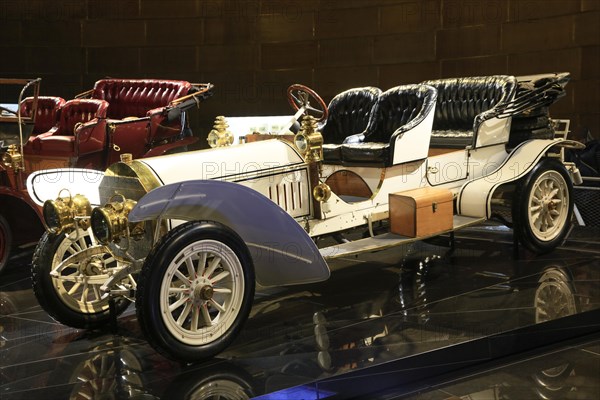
[
  {"x": 6, "y": 160},
  {"x": 213, "y": 139},
  {"x": 51, "y": 216},
  {"x": 101, "y": 226},
  {"x": 301, "y": 142}
]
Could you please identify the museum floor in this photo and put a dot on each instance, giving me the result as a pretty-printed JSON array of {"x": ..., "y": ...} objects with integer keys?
[{"x": 418, "y": 322}]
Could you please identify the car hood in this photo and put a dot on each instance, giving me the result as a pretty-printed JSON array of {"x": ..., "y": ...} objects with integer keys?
[{"x": 225, "y": 163}]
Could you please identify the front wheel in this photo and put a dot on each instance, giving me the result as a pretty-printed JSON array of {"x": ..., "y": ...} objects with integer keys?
[
  {"x": 542, "y": 207},
  {"x": 195, "y": 291},
  {"x": 70, "y": 292}
]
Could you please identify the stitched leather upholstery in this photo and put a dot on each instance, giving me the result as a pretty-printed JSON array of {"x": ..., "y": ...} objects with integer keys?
[
  {"x": 48, "y": 111},
  {"x": 349, "y": 115},
  {"x": 463, "y": 103},
  {"x": 80, "y": 111},
  {"x": 135, "y": 97},
  {"x": 397, "y": 106},
  {"x": 74, "y": 112},
  {"x": 398, "y": 110}
]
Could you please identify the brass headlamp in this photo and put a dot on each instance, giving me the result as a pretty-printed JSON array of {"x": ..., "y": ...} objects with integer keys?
[
  {"x": 110, "y": 223},
  {"x": 220, "y": 136},
  {"x": 309, "y": 141},
  {"x": 67, "y": 213},
  {"x": 12, "y": 158}
]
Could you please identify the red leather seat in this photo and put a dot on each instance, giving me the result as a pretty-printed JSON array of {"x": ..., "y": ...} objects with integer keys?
[
  {"x": 73, "y": 113},
  {"x": 48, "y": 110},
  {"x": 46, "y": 119},
  {"x": 135, "y": 97}
]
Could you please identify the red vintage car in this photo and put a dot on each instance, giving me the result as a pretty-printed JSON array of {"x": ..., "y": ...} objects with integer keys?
[{"x": 143, "y": 117}]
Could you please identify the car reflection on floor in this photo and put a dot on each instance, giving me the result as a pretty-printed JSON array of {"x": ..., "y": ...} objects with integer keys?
[{"x": 374, "y": 309}]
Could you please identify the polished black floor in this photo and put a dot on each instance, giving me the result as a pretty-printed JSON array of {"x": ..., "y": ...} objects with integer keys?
[
  {"x": 568, "y": 371},
  {"x": 415, "y": 322}
]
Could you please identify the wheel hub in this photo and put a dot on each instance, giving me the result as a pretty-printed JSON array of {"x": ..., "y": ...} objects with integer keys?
[
  {"x": 201, "y": 291},
  {"x": 92, "y": 268}
]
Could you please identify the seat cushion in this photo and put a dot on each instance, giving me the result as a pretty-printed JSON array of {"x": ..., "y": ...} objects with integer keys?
[
  {"x": 377, "y": 153},
  {"x": 451, "y": 138},
  {"x": 332, "y": 152},
  {"x": 58, "y": 145}
]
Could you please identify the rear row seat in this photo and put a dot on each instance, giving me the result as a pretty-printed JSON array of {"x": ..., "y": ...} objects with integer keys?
[
  {"x": 364, "y": 123},
  {"x": 58, "y": 121}
]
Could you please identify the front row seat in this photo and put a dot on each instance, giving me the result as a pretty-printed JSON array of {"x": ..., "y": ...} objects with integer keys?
[
  {"x": 349, "y": 115},
  {"x": 399, "y": 109}
]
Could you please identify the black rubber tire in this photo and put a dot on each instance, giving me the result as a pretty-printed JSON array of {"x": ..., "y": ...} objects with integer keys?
[
  {"x": 46, "y": 294},
  {"x": 520, "y": 208},
  {"x": 6, "y": 240},
  {"x": 148, "y": 309}
]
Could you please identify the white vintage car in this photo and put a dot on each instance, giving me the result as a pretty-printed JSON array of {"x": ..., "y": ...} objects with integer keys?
[{"x": 188, "y": 236}]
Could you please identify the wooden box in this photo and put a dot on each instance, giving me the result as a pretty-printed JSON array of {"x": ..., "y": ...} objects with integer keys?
[{"x": 421, "y": 212}]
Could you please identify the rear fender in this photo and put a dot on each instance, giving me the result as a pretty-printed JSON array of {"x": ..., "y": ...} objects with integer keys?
[
  {"x": 282, "y": 252},
  {"x": 475, "y": 197}
]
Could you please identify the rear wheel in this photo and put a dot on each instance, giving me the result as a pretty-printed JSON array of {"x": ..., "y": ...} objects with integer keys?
[
  {"x": 195, "y": 291},
  {"x": 5, "y": 242},
  {"x": 70, "y": 293},
  {"x": 542, "y": 206}
]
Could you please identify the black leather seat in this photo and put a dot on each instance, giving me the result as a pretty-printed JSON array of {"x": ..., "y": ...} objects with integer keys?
[
  {"x": 398, "y": 110},
  {"x": 349, "y": 115},
  {"x": 464, "y": 103}
]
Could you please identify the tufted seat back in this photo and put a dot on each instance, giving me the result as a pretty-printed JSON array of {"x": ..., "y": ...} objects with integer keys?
[
  {"x": 460, "y": 100},
  {"x": 397, "y": 107},
  {"x": 80, "y": 111},
  {"x": 349, "y": 113},
  {"x": 47, "y": 114},
  {"x": 400, "y": 110},
  {"x": 135, "y": 97}
]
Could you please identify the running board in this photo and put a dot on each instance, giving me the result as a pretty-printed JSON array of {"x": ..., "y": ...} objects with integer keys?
[{"x": 388, "y": 240}]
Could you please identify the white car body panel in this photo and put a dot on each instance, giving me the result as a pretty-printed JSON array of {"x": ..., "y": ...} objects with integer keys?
[
  {"x": 414, "y": 143},
  {"x": 493, "y": 131},
  {"x": 44, "y": 185},
  {"x": 475, "y": 196},
  {"x": 224, "y": 163}
]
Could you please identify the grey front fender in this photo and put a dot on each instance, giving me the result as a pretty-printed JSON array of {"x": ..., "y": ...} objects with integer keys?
[{"x": 282, "y": 252}]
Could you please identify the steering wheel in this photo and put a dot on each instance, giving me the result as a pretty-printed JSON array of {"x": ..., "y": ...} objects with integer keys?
[
  {"x": 8, "y": 110},
  {"x": 300, "y": 96}
]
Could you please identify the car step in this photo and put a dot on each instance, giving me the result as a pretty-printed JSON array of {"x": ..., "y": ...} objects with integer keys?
[{"x": 387, "y": 240}]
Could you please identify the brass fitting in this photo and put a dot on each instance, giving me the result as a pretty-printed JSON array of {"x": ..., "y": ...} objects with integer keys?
[
  {"x": 110, "y": 223},
  {"x": 67, "y": 213},
  {"x": 309, "y": 141},
  {"x": 12, "y": 158},
  {"x": 126, "y": 158},
  {"x": 322, "y": 192},
  {"x": 220, "y": 136}
]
